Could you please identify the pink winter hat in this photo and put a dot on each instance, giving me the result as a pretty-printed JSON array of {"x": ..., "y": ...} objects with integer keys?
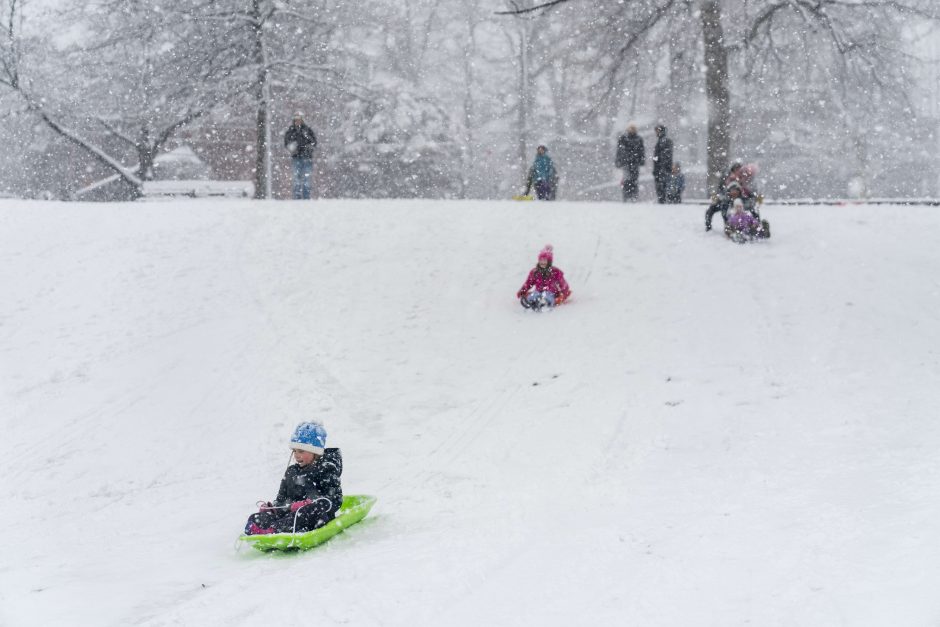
[
  {"x": 747, "y": 173},
  {"x": 546, "y": 253}
]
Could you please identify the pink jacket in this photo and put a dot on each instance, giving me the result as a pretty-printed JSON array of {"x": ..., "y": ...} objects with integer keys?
[{"x": 552, "y": 281}]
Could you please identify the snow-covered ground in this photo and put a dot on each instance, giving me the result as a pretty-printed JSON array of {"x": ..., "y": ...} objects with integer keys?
[{"x": 709, "y": 434}]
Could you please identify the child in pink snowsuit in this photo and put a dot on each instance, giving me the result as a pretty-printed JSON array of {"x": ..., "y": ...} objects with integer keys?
[{"x": 545, "y": 285}]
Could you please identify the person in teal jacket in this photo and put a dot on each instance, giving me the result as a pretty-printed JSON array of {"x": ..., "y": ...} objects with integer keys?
[{"x": 542, "y": 175}]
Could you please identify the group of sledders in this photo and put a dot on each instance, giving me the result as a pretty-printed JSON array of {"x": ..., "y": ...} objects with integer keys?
[
  {"x": 310, "y": 493},
  {"x": 739, "y": 206}
]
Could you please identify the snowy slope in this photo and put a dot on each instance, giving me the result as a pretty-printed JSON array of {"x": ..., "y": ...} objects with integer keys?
[{"x": 710, "y": 434}]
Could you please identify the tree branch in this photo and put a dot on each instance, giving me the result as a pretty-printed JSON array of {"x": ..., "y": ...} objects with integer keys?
[
  {"x": 100, "y": 155},
  {"x": 531, "y": 9}
]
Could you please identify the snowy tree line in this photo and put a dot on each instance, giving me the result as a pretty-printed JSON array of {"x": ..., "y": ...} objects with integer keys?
[{"x": 448, "y": 98}]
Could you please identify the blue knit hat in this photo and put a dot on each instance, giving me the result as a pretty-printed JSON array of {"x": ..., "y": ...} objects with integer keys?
[{"x": 309, "y": 436}]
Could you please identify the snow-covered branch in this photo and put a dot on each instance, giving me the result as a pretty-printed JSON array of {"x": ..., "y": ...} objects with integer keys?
[
  {"x": 538, "y": 7},
  {"x": 74, "y": 137}
]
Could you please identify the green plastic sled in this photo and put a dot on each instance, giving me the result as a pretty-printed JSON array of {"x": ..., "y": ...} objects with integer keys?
[{"x": 355, "y": 507}]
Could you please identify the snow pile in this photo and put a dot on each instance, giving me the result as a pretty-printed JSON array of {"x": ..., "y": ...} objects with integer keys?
[{"x": 709, "y": 434}]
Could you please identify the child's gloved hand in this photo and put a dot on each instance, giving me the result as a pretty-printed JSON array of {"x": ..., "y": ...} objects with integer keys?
[
  {"x": 265, "y": 507},
  {"x": 520, "y": 293},
  {"x": 298, "y": 504}
]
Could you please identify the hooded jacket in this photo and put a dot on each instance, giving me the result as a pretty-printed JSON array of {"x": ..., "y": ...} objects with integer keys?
[
  {"x": 630, "y": 151},
  {"x": 662, "y": 157},
  {"x": 319, "y": 479},
  {"x": 300, "y": 140},
  {"x": 551, "y": 279}
]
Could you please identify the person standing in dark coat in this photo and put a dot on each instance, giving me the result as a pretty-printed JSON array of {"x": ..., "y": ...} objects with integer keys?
[
  {"x": 662, "y": 162},
  {"x": 300, "y": 142},
  {"x": 630, "y": 156},
  {"x": 310, "y": 493}
]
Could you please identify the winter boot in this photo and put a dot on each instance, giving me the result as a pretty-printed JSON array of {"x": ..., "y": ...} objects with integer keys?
[{"x": 254, "y": 530}]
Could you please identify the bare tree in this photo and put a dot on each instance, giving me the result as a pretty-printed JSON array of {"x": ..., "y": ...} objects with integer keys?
[
  {"x": 151, "y": 78},
  {"x": 268, "y": 39},
  {"x": 851, "y": 29},
  {"x": 15, "y": 56}
]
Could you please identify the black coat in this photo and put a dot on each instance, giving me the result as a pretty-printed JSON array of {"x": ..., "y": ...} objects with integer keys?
[
  {"x": 630, "y": 151},
  {"x": 303, "y": 140},
  {"x": 321, "y": 478},
  {"x": 662, "y": 158}
]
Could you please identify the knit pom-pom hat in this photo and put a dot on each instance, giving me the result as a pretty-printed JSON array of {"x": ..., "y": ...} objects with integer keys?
[
  {"x": 310, "y": 437},
  {"x": 547, "y": 254}
]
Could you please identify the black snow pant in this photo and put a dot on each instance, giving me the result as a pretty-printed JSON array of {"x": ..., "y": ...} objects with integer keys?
[
  {"x": 544, "y": 190},
  {"x": 630, "y": 185},
  {"x": 717, "y": 207},
  {"x": 661, "y": 181},
  {"x": 307, "y": 518}
]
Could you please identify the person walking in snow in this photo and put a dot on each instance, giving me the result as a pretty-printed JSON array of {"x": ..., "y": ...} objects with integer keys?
[
  {"x": 542, "y": 175},
  {"x": 662, "y": 162},
  {"x": 630, "y": 156},
  {"x": 300, "y": 141},
  {"x": 310, "y": 493},
  {"x": 546, "y": 285}
]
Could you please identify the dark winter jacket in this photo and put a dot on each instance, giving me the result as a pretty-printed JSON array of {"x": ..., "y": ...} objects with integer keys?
[
  {"x": 319, "y": 479},
  {"x": 300, "y": 140},
  {"x": 674, "y": 188},
  {"x": 662, "y": 158},
  {"x": 630, "y": 151}
]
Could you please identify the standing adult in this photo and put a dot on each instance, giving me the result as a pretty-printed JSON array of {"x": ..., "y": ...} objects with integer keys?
[
  {"x": 662, "y": 162},
  {"x": 300, "y": 142},
  {"x": 630, "y": 156}
]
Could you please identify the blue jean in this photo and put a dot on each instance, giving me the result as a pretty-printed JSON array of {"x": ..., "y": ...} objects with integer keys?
[
  {"x": 534, "y": 296},
  {"x": 303, "y": 172}
]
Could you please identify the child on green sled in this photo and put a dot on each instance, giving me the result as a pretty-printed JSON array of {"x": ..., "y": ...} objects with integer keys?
[{"x": 310, "y": 492}]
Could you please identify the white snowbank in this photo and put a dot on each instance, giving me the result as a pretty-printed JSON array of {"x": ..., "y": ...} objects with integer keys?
[{"x": 709, "y": 434}]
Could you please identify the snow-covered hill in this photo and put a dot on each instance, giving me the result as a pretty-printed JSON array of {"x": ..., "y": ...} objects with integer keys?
[{"x": 710, "y": 434}]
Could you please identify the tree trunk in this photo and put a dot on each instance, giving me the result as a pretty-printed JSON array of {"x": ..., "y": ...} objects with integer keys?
[
  {"x": 524, "y": 98},
  {"x": 718, "y": 144},
  {"x": 262, "y": 181},
  {"x": 469, "y": 115},
  {"x": 145, "y": 155}
]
